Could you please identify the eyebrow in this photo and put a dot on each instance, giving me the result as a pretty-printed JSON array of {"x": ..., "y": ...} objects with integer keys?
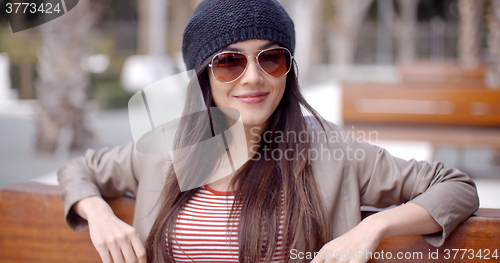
[{"x": 268, "y": 44}]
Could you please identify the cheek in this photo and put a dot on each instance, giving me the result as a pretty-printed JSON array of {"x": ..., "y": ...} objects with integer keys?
[
  {"x": 280, "y": 88},
  {"x": 214, "y": 89},
  {"x": 220, "y": 92}
]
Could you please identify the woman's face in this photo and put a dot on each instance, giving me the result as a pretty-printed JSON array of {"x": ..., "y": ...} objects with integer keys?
[{"x": 254, "y": 94}]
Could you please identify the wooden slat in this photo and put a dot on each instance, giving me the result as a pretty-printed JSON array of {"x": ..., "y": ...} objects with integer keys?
[
  {"x": 468, "y": 84},
  {"x": 33, "y": 229},
  {"x": 439, "y": 70},
  {"x": 392, "y": 103}
]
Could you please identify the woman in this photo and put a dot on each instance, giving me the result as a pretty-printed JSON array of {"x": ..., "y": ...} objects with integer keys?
[{"x": 272, "y": 208}]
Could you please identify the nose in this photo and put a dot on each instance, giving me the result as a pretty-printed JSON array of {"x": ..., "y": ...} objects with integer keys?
[{"x": 253, "y": 73}]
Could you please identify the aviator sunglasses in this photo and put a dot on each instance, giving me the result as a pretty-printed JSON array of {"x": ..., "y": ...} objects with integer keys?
[{"x": 228, "y": 66}]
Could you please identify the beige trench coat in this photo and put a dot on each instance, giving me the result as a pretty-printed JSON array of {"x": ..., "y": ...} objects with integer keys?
[{"x": 369, "y": 176}]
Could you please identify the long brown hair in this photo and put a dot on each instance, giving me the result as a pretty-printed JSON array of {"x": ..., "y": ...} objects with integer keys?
[{"x": 265, "y": 189}]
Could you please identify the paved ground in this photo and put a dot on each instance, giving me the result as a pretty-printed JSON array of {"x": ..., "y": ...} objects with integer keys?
[{"x": 19, "y": 162}]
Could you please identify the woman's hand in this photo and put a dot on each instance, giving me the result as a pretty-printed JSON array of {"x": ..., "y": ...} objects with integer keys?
[
  {"x": 114, "y": 240},
  {"x": 359, "y": 243},
  {"x": 353, "y": 246}
]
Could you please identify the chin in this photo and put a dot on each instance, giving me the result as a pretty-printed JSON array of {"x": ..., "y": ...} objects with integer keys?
[{"x": 253, "y": 121}]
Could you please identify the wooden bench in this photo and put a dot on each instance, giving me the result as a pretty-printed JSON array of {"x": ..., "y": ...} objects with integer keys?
[
  {"x": 32, "y": 229},
  {"x": 430, "y": 92}
]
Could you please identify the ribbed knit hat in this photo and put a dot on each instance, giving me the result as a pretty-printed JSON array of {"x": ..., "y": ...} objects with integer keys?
[{"x": 216, "y": 24}]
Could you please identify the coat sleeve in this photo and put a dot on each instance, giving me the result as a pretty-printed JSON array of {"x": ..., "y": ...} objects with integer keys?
[
  {"x": 449, "y": 195},
  {"x": 106, "y": 173}
]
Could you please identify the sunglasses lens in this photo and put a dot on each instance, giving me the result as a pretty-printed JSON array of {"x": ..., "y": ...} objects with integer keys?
[
  {"x": 276, "y": 62},
  {"x": 228, "y": 66}
]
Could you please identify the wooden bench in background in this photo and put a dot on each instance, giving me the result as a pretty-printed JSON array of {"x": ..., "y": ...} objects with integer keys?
[
  {"x": 435, "y": 101},
  {"x": 430, "y": 92},
  {"x": 427, "y": 104},
  {"x": 441, "y": 71},
  {"x": 32, "y": 229}
]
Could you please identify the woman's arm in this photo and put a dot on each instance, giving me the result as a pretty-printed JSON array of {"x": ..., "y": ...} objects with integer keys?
[
  {"x": 407, "y": 219},
  {"x": 447, "y": 194},
  {"x": 106, "y": 172},
  {"x": 437, "y": 198},
  {"x": 376, "y": 178},
  {"x": 114, "y": 240},
  {"x": 82, "y": 182}
]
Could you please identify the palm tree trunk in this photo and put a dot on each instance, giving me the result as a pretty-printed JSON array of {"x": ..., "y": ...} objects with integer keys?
[{"x": 62, "y": 84}]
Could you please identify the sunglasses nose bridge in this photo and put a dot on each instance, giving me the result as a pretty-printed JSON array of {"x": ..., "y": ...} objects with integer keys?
[
  {"x": 256, "y": 61},
  {"x": 248, "y": 70}
]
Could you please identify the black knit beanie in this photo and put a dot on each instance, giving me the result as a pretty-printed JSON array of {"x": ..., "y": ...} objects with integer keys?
[{"x": 216, "y": 24}]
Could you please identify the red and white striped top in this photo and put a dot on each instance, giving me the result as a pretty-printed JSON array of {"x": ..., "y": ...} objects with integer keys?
[{"x": 202, "y": 233}]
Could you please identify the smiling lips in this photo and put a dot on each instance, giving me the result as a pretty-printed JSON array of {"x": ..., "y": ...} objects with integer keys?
[{"x": 252, "y": 97}]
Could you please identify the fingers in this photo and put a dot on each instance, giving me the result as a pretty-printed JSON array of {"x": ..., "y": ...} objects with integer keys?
[
  {"x": 116, "y": 253},
  {"x": 117, "y": 242},
  {"x": 123, "y": 251},
  {"x": 318, "y": 258},
  {"x": 104, "y": 254},
  {"x": 127, "y": 248},
  {"x": 132, "y": 248},
  {"x": 110, "y": 252},
  {"x": 139, "y": 249}
]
